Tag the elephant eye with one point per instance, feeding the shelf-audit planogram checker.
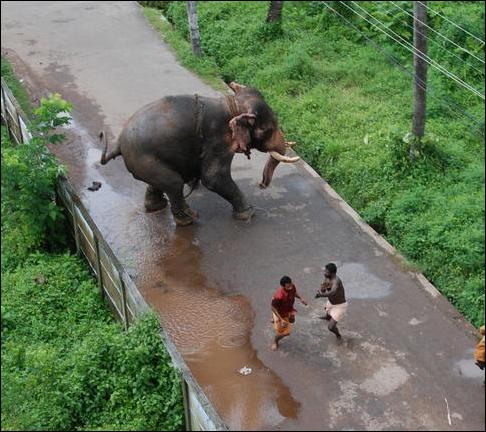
(263, 134)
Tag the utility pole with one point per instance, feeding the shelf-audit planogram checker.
(420, 67)
(194, 28)
(275, 11)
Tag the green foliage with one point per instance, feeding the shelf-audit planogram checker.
(299, 65)
(350, 111)
(30, 217)
(67, 366)
(51, 114)
(154, 4)
(270, 31)
(15, 86)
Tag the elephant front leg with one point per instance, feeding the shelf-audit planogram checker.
(245, 214)
(219, 180)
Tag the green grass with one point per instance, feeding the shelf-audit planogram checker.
(204, 67)
(15, 86)
(349, 109)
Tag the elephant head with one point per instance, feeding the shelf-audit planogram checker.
(257, 127)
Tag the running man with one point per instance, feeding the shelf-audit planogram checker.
(283, 309)
(336, 305)
(479, 351)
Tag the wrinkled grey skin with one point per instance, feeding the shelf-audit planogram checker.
(184, 139)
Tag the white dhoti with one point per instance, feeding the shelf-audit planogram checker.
(337, 311)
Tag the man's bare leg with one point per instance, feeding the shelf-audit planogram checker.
(332, 327)
(276, 341)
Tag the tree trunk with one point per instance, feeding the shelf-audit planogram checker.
(420, 67)
(275, 11)
(194, 28)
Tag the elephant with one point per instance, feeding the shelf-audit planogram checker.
(185, 139)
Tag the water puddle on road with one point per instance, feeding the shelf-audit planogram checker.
(212, 332)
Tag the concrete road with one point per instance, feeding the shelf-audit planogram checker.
(405, 349)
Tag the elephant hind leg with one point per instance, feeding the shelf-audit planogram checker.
(183, 214)
(163, 179)
(154, 200)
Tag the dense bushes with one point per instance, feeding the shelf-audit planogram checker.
(156, 4)
(66, 365)
(349, 110)
(30, 217)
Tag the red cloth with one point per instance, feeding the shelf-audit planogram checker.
(283, 301)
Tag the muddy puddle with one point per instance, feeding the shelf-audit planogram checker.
(212, 331)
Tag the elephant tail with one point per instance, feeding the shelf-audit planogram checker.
(112, 155)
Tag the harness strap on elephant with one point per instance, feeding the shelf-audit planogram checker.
(233, 108)
(198, 106)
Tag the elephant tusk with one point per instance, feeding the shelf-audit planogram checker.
(290, 143)
(282, 158)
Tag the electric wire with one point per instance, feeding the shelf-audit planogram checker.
(420, 54)
(430, 89)
(452, 22)
(449, 52)
(440, 34)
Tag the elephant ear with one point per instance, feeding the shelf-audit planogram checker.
(240, 132)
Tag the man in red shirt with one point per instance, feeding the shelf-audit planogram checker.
(283, 309)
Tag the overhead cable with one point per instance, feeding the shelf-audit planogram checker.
(440, 34)
(449, 52)
(407, 45)
(450, 102)
(453, 23)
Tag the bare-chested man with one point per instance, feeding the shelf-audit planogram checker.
(336, 305)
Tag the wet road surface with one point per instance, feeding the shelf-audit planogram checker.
(404, 351)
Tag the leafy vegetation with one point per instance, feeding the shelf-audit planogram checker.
(66, 365)
(30, 217)
(15, 86)
(350, 111)
(161, 5)
(204, 66)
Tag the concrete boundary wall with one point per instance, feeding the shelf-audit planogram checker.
(115, 284)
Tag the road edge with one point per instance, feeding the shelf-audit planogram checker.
(380, 241)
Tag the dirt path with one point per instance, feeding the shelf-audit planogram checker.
(404, 350)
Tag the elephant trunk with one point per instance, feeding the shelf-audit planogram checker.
(268, 171)
(274, 158)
